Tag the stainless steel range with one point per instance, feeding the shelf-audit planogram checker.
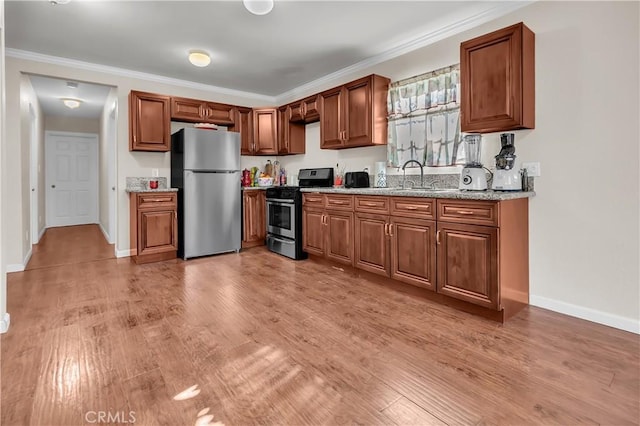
(284, 212)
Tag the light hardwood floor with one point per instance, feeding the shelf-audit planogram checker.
(271, 341)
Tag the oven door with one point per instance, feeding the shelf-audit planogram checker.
(281, 218)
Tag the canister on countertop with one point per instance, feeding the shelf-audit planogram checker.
(276, 173)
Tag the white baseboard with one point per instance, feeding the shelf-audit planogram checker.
(105, 233)
(19, 267)
(4, 323)
(616, 321)
(125, 253)
(41, 233)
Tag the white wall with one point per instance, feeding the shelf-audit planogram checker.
(4, 319)
(54, 123)
(104, 188)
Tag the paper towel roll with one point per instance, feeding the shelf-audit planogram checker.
(381, 174)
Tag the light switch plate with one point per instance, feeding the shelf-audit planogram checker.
(533, 169)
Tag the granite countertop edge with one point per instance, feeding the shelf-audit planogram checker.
(453, 194)
(251, 188)
(136, 190)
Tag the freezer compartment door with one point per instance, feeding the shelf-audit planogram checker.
(211, 150)
(212, 213)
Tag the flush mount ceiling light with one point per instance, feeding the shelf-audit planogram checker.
(56, 2)
(199, 58)
(258, 7)
(71, 103)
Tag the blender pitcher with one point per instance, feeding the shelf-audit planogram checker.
(472, 144)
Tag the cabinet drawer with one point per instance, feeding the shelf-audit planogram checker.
(421, 208)
(157, 200)
(339, 202)
(313, 199)
(472, 212)
(373, 204)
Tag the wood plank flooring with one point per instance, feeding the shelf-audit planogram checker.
(267, 340)
(70, 244)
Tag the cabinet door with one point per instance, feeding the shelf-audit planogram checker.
(331, 127)
(265, 131)
(254, 216)
(313, 231)
(339, 236)
(150, 122)
(357, 113)
(297, 112)
(413, 251)
(222, 114)
(468, 263)
(157, 231)
(244, 125)
(311, 108)
(371, 243)
(184, 109)
(283, 129)
(493, 80)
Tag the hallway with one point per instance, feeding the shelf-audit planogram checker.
(70, 245)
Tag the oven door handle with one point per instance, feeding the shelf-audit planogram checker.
(281, 240)
(279, 201)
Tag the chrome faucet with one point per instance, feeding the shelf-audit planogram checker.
(404, 172)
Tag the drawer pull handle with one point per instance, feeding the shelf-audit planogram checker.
(156, 200)
(411, 208)
(337, 202)
(467, 212)
(438, 237)
(386, 229)
(369, 204)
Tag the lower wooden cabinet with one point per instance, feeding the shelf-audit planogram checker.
(254, 219)
(154, 226)
(468, 263)
(470, 250)
(396, 247)
(328, 232)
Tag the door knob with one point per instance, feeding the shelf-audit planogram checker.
(33, 190)
(113, 188)
(53, 186)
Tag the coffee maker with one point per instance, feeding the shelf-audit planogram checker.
(473, 176)
(507, 177)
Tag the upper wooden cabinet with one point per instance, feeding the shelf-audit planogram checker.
(354, 114)
(291, 135)
(265, 131)
(306, 110)
(498, 81)
(194, 110)
(244, 125)
(149, 122)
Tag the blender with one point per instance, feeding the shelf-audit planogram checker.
(473, 176)
(506, 176)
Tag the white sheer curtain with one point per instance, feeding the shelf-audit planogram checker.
(424, 119)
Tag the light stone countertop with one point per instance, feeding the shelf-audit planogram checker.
(428, 193)
(135, 190)
(250, 188)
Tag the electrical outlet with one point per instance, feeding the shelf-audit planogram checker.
(26, 235)
(154, 172)
(533, 169)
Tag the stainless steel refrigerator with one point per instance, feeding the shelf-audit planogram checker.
(205, 167)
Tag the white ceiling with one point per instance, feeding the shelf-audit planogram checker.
(297, 43)
(50, 91)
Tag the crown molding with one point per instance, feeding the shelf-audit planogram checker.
(301, 91)
(122, 72)
(405, 47)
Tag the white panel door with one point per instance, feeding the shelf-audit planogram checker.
(71, 162)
